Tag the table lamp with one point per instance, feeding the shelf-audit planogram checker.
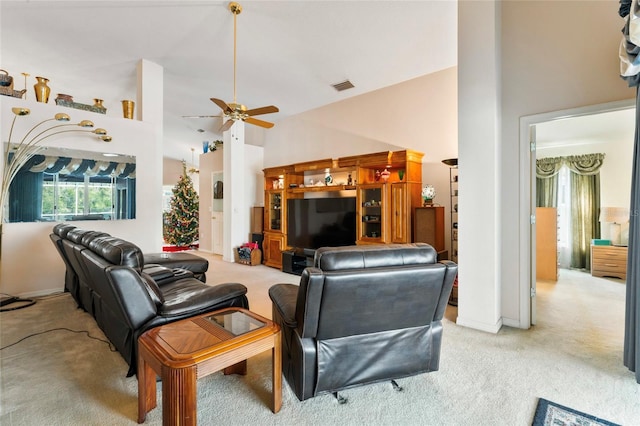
(615, 216)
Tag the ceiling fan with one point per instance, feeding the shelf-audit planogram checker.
(235, 111)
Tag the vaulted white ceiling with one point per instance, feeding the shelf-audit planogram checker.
(289, 53)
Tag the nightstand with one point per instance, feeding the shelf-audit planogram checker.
(609, 261)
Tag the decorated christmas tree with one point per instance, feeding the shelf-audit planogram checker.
(181, 222)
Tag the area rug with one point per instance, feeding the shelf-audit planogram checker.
(549, 413)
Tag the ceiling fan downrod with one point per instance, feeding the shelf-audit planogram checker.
(236, 9)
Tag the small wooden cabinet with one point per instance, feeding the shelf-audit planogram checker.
(428, 226)
(547, 243)
(272, 247)
(609, 261)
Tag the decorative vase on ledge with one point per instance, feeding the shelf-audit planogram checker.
(127, 109)
(98, 103)
(42, 90)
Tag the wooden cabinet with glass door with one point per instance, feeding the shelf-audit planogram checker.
(274, 213)
(372, 213)
(274, 216)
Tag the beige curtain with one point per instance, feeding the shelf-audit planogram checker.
(585, 199)
(588, 164)
(547, 181)
(585, 205)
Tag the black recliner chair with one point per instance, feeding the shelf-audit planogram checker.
(362, 314)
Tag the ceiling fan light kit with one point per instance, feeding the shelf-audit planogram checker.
(235, 111)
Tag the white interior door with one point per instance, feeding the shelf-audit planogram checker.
(217, 229)
(217, 217)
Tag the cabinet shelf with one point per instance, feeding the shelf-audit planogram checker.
(328, 188)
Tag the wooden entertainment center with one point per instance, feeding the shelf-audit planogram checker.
(387, 187)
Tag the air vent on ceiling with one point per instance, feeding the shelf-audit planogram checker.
(343, 86)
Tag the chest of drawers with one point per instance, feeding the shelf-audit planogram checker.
(609, 261)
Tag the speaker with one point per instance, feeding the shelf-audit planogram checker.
(257, 238)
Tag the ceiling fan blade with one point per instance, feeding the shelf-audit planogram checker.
(262, 110)
(222, 104)
(257, 122)
(227, 125)
(201, 116)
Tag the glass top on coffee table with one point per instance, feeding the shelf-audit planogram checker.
(235, 322)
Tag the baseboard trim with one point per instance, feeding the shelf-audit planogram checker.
(40, 293)
(489, 328)
(513, 323)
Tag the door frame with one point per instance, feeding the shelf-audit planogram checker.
(527, 141)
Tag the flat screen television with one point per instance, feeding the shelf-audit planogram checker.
(321, 222)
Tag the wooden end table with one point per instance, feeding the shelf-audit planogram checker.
(184, 351)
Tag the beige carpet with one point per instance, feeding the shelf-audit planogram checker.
(573, 357)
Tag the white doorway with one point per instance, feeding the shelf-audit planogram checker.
(579, 125)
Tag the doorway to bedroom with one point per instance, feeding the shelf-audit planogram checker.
(568, 217)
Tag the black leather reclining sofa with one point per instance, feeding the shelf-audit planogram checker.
(109, 279)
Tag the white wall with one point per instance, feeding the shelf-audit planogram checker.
(253, 186)
(171, 171)
(555, 55)
(30, 263)
(253, 163)
(419, 114)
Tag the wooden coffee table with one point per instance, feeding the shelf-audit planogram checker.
(184, 351)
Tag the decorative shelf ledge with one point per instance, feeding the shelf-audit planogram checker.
(84, 107)
(6, 91)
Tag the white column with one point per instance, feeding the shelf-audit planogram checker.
(149, 107)
(236, 213)
(479, 156)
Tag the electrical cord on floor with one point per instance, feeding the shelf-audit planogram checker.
(8, 299)
(113, 349)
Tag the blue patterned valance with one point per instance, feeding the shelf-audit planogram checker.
(79, 167)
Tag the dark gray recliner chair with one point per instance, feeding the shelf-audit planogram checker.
(362, 314)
